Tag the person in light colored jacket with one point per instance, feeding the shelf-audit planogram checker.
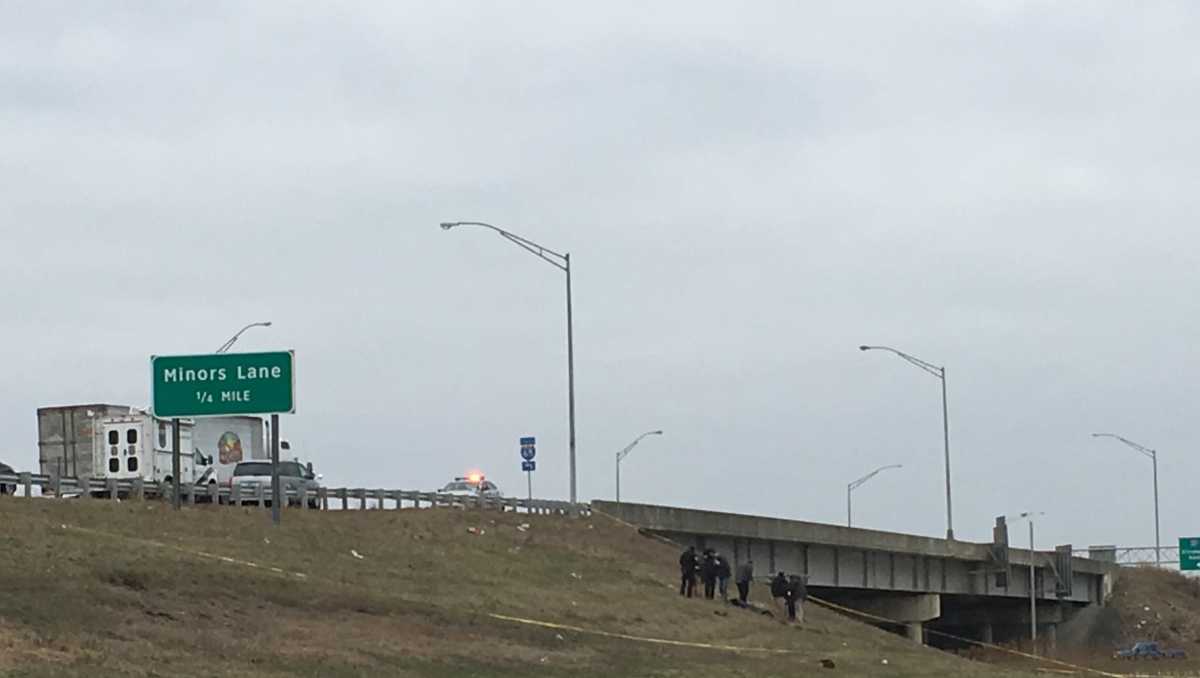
(745, 574)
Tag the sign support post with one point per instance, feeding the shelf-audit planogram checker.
(176, 500)
(276, 491)
(528, 465)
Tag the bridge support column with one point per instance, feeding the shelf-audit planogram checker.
(909, 609)
(915, 631)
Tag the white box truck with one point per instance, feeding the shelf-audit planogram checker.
(229, 440)
(141, 446)
(102, 441)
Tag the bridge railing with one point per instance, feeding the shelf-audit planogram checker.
(1132, 555)
(344, 498)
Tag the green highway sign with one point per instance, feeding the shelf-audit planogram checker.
(1189, 553)
(223, 384)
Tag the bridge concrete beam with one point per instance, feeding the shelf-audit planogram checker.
(907, 608)
(911, 610)
(1003, 613)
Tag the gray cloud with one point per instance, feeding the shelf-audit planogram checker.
(748, 192)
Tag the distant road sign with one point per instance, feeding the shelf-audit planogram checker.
(1189, 553)
(528, 448)
(223, 384)
(529, 466)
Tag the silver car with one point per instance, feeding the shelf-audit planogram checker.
(248, 476)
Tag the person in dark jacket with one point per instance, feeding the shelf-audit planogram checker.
(745, 575)
(687, 572)
(779, 587)
(723, 574)
(797, 593)
(708, 573)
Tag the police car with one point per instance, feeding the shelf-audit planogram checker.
(473, 485)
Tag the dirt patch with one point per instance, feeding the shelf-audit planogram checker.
(1157, 604)
(19, 646)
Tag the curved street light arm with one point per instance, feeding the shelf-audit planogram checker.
(939, 372)
(1140, 448)
(560, 261)
(629, 448)
(858, 483)
(233, 340)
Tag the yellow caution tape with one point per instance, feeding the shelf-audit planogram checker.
(180, 549)
(642, 639)
(980, 643)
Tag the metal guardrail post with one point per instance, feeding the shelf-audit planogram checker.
(112, 488)
(214, 494)
(139, 489)
(303, 491)
(380, 495)
(235, 494)
(27, 481)
(323, 498)
(361, 494)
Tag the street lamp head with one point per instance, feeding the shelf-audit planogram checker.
(266, 324)
(657, 433)
(447, 225)
(864, 348)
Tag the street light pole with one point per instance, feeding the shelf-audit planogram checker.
(1153, 454)
(858, 483)
(940, 373)
(625, 453)
(1028, 515)
(561, 261)
(232, 340)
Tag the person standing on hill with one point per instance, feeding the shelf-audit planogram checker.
(723, 575)
(745, 574)
(797, 593)
(687, 572)
(779, 587)
(708, 573)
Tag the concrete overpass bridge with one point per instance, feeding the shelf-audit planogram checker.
(969, 589)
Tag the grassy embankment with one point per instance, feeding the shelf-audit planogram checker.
(84, 592)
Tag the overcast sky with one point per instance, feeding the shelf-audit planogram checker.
(748, 190)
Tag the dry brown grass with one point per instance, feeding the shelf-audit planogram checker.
(123, 590)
